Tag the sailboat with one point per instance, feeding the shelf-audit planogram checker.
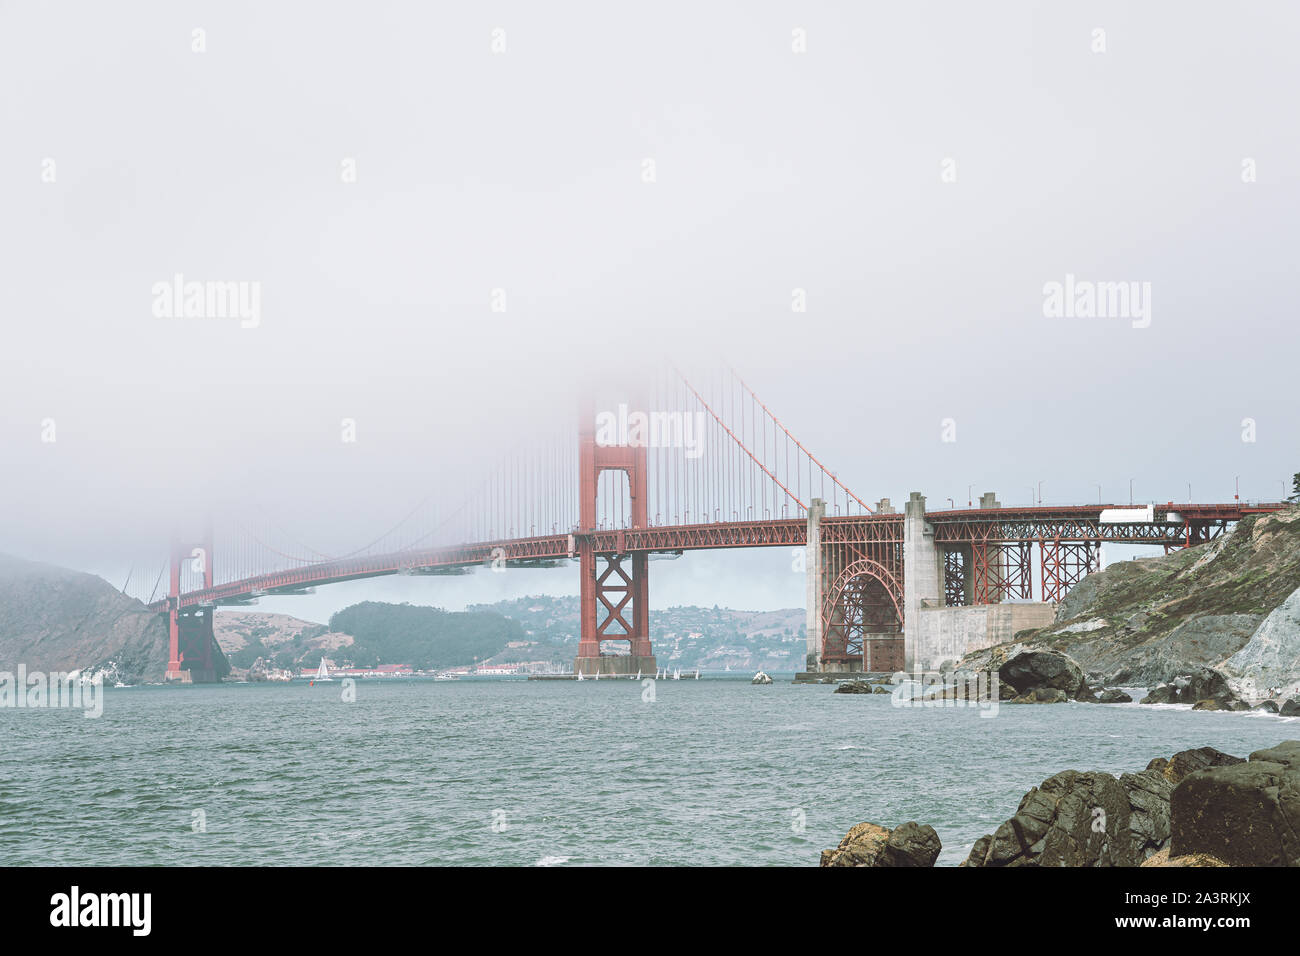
(677, 674)
(597, 673)
(579, 675)
(638, 675)
(322, 672)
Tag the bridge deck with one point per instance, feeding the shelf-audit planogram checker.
(1026, 524)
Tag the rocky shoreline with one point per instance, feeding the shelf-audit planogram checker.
(1036, 676)
(1198, 807)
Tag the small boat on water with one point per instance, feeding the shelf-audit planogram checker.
(322, 673)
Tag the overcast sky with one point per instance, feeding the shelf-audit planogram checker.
(921, 171)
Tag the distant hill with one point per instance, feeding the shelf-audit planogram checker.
(535, 628)
(277, 639)
(424, 637)
(709, 638)
(55, 619)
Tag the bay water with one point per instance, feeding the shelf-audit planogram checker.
(516, 772)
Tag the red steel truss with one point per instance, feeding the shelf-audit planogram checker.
(954, 577)
(1065, 564)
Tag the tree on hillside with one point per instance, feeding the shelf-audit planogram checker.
(1295, 487)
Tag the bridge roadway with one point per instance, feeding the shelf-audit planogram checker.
(1173, 525)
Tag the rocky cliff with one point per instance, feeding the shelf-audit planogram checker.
(54, 619)
(1233, 605)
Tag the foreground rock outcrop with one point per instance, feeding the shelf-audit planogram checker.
(1095, 819)
(1200, 807)
(868, 844)
(1246, 813)
(1082, 819)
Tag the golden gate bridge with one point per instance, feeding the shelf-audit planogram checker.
(684, 469)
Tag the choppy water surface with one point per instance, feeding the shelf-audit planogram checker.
(552, 773)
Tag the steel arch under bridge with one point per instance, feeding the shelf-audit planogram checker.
(862, 617)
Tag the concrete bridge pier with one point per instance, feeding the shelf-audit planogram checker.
(923, 577)
(200, 659)
(814, 582)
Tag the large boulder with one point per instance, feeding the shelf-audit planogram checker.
(1092, 819)
(1246, 813)
(1290, 708)
(868, 844)
(1031, 670)
(1081, 819)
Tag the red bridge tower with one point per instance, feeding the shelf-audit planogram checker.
(615, 588)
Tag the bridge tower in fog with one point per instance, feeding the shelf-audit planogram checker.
(190, 638)
(614, 588)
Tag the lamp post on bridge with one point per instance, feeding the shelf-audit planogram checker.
(1236, 494)
(1130, 491)
(1098, 494)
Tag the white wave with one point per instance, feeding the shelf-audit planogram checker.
(552, 860)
